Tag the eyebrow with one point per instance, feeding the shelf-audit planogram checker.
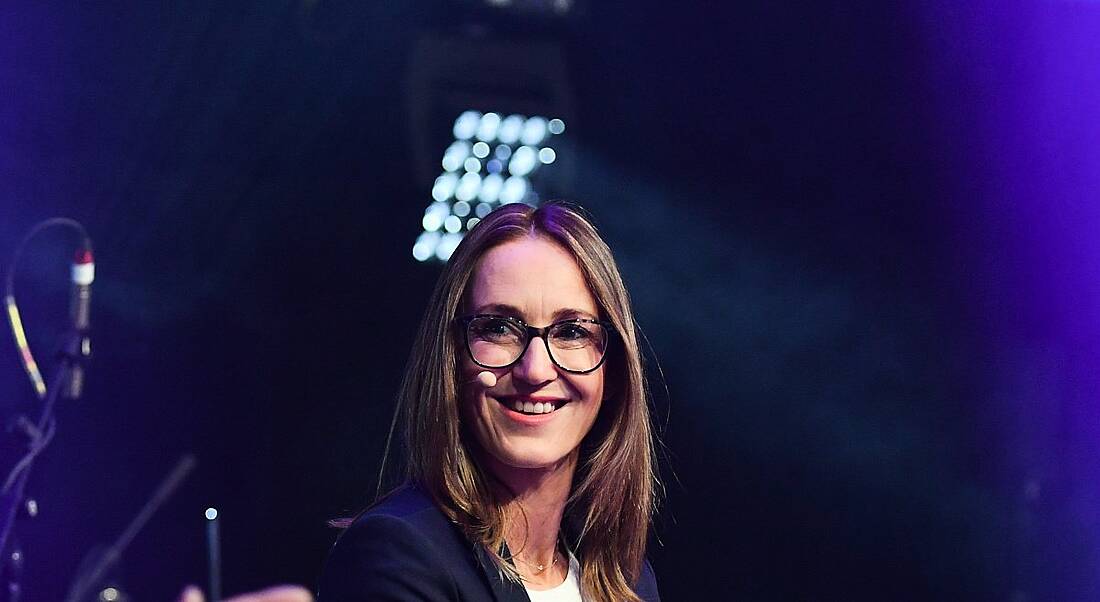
(565, 313)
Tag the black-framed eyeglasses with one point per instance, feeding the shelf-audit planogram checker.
(577, 345)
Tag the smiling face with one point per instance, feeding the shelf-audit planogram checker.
(537, 281)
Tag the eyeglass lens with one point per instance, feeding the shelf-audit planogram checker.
(498, 342)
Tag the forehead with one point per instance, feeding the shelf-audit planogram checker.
(534, 274)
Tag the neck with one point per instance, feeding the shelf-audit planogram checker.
(535, 502)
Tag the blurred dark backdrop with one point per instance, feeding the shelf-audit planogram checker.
(861, 240)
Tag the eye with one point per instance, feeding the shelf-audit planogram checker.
(493, 328)
(574, 333)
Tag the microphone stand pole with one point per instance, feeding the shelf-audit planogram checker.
(88, 580)
(13, 496)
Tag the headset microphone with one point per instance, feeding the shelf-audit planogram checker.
(487, 379)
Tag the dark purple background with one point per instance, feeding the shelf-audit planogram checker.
(862, 241)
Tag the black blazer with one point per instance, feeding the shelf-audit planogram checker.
(405, 549)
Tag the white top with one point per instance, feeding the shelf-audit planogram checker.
(568, 591)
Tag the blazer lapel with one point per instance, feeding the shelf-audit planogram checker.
(504, 589)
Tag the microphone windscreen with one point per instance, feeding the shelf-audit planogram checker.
(487, 379)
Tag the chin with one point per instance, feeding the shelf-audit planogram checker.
(532, 455)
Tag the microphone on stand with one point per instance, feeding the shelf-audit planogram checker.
(69, 379)
(79, 347)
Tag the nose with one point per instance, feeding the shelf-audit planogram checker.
(535, 366)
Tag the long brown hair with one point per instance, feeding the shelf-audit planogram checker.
(615, 488)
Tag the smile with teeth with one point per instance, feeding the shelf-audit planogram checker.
(537, 407)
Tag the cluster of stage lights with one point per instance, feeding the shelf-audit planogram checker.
(490, 163)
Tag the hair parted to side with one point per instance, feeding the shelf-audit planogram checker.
(615, 489)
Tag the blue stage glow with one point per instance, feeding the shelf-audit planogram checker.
(515, 189)
(444, 186)
(455, 155)
(534, 131)
(490, 190)
(523, 161)
(424, 249)
(447, 245)
(483, 169)
(487, 129)
(466, 125)
(468, 187)
(434, 216)
(511, 129)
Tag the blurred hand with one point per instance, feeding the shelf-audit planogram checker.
(279, 593)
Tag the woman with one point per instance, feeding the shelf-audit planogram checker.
(528, 449)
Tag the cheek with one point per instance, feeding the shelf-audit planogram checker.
(591, 390)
